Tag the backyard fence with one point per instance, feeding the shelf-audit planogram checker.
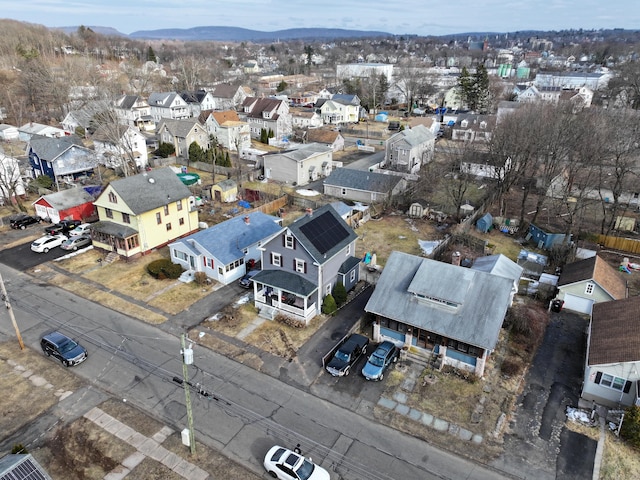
(630, 245)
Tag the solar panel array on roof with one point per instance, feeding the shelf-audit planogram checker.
(324, 232)
(25, 470)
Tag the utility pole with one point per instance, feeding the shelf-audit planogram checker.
(5, 297)
(187, 359)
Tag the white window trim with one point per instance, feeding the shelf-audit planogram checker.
(300, 265)
(589, 288)
(277, 259)
(289, 241)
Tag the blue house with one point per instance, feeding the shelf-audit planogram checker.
(485, 223)
(224, 250)
(543, 239)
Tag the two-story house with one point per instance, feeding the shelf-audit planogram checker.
(302, 265)
(182, 133)
(135, 111)
(120, 146)
(168, 105)
(473, 128)
(142, 212)
(267, 114)
(228, 97)
(408, 150)
(227, 129)
(198, 101)
(299, 166)
(63, 159)
(339, 109)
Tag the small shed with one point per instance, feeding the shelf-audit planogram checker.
(225, 191)
(73, 203)
(485, 223)
(466, 209)
(625, 224)
(8, 132)
(543, 239)
(418, 209)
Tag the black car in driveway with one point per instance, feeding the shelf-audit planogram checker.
(24, 221)
(65, 349)
(63, 227)
(347, 354)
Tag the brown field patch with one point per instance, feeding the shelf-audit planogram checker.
(619, 460)
(179, 297)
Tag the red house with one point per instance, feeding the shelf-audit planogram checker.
(74, 203)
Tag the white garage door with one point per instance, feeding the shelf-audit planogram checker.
(577, 304)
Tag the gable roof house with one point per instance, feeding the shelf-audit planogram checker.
(227, 128)
(441, 309)
(302, 264)
(339, 109)
(223, 250)
(120, 145)
(328, 138)
(8, 132)
(408, 150)
(64, 159)
(503, 266)
(612, 367)
(182, 133)
(532, 93)
(268, 114)
(135, 111)
(473, 128)
(198, 101)
(363, 186)
(168, 105)
(298, 166)
(228, 97)
(305, 117)
(28, 130)
(483, 165)
(590, 281)
(72, 203)
(82, 116)
(146, 211)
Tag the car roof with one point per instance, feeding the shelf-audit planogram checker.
(56, 337)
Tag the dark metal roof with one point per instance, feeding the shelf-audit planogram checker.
(287, 281)
(113, 229)
(348, 265)
(363, 181)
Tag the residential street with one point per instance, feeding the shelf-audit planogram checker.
(245, 411)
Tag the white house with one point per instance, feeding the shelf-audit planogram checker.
(168, 105)
(115, 143)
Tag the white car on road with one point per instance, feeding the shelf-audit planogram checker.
(46, 243)
(286, 464)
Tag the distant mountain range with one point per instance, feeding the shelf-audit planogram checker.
(235, 34)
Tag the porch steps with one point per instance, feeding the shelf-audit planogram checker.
(187, 276)
(110, 258)
(268, 312)
(424, 359)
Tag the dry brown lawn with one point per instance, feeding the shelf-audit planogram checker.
(619, 460)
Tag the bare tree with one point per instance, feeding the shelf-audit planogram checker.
(11, 184)
(118, 141)
(190, 70)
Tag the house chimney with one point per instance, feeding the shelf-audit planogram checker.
(246, 219)
(455, 259)
(309, 211)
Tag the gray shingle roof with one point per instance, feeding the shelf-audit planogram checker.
(498, 265)
(287, 281)
(150, 190)
(483, 298)
(364, 181)
(48, 148)
(69, 198)
(226, 240)
(180, 128)
(615, 332)
(303, 153)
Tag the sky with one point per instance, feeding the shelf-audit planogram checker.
(419, 17)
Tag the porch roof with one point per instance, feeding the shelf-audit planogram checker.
(113, 229)
(287, 281)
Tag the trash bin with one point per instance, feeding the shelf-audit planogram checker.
(556, 305)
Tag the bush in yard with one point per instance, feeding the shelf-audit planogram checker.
(164, 268)
(339, 294)
(510, 367)
(630, 430)
(329, 306)
(201, 278)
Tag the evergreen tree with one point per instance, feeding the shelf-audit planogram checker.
(270, 135)
(630, 429)
(339, 294)
(329, 306)
(465, 86)
(227, 160)
(282, 86)
(151, 56)
(263, 136)
(481, 90)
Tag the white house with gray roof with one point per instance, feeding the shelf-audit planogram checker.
(363, 186)
(299, 166)
(503, 266)
(168, 105)
(440, 309)
(223, 250)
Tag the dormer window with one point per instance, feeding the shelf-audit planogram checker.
(464, 123)
(266, 114)
(483, 124)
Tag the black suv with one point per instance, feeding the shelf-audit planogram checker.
(64, 227)
(347, 355)
(68, 351)
(24, 221)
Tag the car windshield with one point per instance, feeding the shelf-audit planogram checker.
(340, 355)
(67, 346)
(376, 360)
(305, 470)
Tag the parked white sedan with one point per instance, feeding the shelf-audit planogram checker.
(82, 229)
(286, 464)
(46, 243)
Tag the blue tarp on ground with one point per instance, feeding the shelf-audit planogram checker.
(244, 204)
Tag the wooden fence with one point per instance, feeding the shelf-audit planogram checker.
(630, 245)
(272, 207)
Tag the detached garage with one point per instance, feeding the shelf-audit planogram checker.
(590, 281)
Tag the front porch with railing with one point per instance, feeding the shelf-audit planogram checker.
(278, 301)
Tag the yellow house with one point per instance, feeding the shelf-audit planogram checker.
(140, 213)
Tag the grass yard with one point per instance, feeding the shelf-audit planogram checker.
(619, 460)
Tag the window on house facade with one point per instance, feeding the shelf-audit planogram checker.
(179, 205)
(181, 221)
(344, 191)
(108, 212)
(132, 242)
(589, 289)
(613, 382)
(290, 241)
(352, 277)
(300, 265)
(327, 289)
(348, 250)
(158, 218)
(276, 259)
(113, 198)
(166, 209)
(180, 255)
(168, 226)
(126, 218)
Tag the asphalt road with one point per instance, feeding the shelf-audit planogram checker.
(244, 412)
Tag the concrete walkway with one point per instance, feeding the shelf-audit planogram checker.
(145, 447)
